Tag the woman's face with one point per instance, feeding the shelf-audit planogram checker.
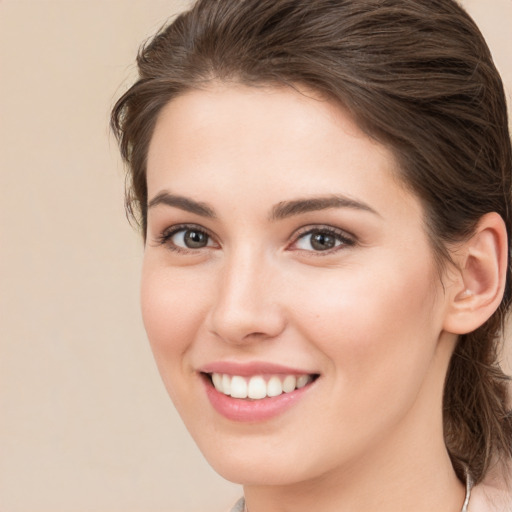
(285, 260)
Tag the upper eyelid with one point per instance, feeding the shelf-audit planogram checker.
(184, 227)
(305, 230)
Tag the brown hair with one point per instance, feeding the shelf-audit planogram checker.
(417, 76)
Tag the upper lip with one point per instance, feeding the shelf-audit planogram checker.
(251, 368)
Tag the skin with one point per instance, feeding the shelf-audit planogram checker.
(368, 316)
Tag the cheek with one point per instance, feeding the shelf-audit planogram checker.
(172, 304)
(376, 325)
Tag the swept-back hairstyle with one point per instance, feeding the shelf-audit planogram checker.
(418, 77)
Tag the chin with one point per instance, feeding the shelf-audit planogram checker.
(257, 460)
(256, 473)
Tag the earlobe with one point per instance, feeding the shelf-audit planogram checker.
(482, 262)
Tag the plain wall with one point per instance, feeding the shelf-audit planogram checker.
(85, 423)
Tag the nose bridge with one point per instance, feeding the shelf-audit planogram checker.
(246, 305)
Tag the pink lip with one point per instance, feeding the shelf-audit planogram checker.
(247, 410)
(243, 410)
(249, 369)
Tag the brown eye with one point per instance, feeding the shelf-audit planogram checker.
(195, 239)
(324, 239)
(189, 238)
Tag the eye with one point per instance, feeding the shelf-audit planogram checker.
(186, 238)
(322, 240)
(190, 239)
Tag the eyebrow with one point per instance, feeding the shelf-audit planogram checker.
(280, 211)
(286, 209)
(183, 203)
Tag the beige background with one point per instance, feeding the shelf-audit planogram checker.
(85, 424)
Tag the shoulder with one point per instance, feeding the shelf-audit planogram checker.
(494, 494)
(485, 498)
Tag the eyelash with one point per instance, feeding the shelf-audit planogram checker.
(166, 235)
(345, 239)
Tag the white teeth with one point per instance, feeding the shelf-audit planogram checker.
(274, 386)
(238, 387)
(289, 383)
(226, 384)
(217, 380)
(302, 381)
(257, 387)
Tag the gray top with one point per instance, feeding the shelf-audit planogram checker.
(239, 506)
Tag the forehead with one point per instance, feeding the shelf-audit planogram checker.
(272, 143)
(268, 116)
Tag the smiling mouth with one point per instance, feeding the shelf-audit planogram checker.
(258, 387)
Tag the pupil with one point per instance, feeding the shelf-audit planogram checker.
(195, 239)
(322, 241)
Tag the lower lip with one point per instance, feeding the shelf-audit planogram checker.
(246, 410)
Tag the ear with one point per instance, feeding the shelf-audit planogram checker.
(476, 291)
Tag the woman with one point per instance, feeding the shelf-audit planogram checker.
(324, 191)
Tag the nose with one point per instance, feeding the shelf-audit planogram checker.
(247, 306)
